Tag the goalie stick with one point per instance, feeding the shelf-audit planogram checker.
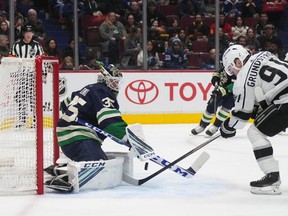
(187, 173)
(138, 182)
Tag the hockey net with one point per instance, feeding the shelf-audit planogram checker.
(29, 101)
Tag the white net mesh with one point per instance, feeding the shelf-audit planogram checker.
(18, 134)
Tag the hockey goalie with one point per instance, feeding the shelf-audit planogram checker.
(86, 163)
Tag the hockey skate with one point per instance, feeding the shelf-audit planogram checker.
(197, 130)
(211, 131)
(60, 183)
(268, 184)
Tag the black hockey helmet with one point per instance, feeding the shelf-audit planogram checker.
(28, 28)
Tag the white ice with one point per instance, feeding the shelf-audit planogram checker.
(220, 188)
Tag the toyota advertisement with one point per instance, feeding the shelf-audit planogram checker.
(154, 92)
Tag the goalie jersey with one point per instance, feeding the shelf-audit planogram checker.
(96, 104)
(269, 73)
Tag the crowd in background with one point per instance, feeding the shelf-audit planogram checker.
(174, 35)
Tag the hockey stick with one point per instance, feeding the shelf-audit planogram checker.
(138, 182)
(187, 173)
(215, 99)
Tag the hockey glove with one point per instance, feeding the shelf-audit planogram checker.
(219, 92)
(226, 131)
(215, 78)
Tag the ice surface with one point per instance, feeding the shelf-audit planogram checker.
(220, 188)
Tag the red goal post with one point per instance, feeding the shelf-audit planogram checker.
(29, 110)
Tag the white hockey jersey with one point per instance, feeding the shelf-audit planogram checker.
(265, 70)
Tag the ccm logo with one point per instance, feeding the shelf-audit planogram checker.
(94, 164)
(148, 155)
(141, 92)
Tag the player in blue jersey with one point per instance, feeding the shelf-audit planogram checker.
(96, 104)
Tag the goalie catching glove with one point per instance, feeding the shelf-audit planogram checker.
(226, 131)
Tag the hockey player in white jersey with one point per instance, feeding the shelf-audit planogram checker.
(266, 74)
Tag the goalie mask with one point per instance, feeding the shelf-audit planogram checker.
(230, 56)
(111, 76)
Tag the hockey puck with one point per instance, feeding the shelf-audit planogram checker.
(146, 166)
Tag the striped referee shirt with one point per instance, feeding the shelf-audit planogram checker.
(20, 49)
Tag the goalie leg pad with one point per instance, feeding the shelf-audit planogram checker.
(93, 175)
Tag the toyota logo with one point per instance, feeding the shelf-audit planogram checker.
(141, 92)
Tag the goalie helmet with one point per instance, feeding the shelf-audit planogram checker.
(234, 52)
(111, 76)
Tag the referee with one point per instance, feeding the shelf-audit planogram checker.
(26, 47)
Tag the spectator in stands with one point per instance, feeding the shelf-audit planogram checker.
(18, 25)
(224, 42)
(188, 8)
(91, 64)
(93, 8)
(173, 28)
(58, 5)
(4, 17)
(175, 58)
(32, 19)
(157, 27)
(130, 23)
(209, 8)
(153, 14)
(196, 27)
(225, 26)
(52, 50)
(250, 9)
(4, 46)
(69, 49)
(209, 64)
(241, 40)
(186, 43)
(112, 31)
(4, 29)
(273, 47)
(132, 47)
(268, 36)
(155, 33)
(263, 21)
(134, 10)
(251, 41)
(67, 63)
(239, 28)
(232, 8)
(152, 57)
